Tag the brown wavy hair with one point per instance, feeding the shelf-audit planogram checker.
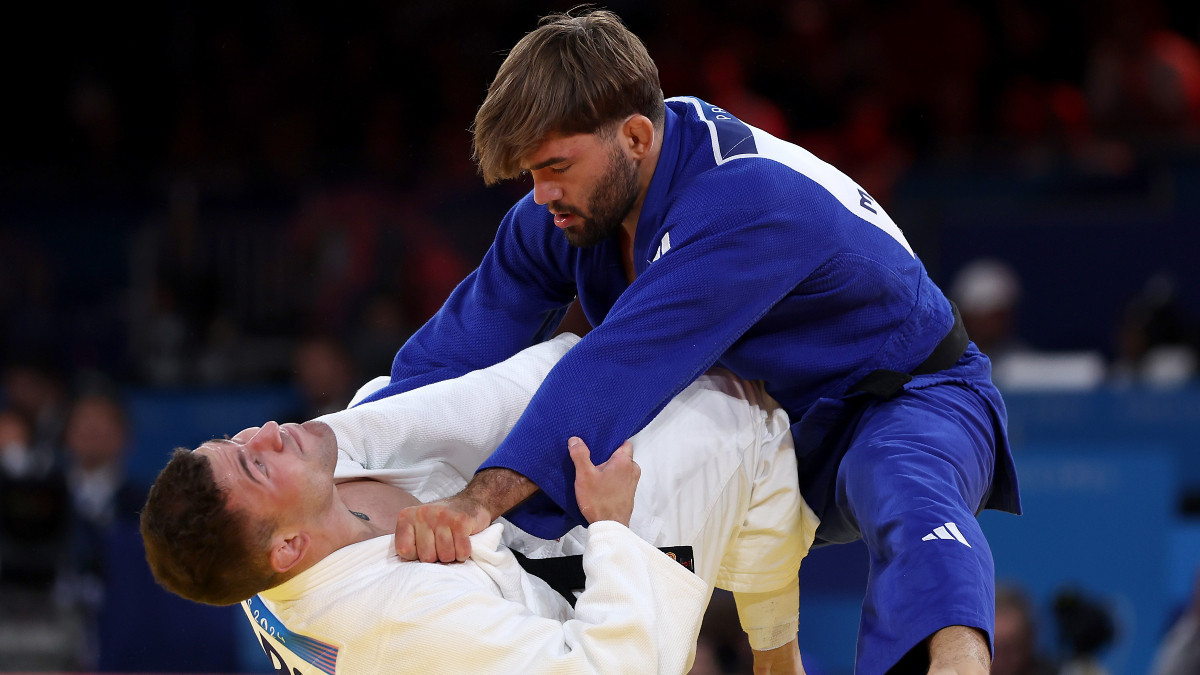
(196, 546)
(574, 74)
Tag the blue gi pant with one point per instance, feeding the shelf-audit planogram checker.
(914, 472)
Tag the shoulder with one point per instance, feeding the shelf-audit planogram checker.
(747, 195)
(729, 165)
(723, 150)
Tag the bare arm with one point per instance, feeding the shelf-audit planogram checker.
(440, 530)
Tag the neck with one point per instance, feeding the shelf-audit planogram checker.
(645, 175)
(338, 526)
(628, 233)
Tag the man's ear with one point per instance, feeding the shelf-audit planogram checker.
(287, 550)
(637, 136)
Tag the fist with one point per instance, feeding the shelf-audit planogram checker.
(439, 531)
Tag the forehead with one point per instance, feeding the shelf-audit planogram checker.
(222, 455)
(559, 146)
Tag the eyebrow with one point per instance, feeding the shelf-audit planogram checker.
(246, 467)
(548, 162)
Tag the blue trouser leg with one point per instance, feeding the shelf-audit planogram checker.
(916, 472)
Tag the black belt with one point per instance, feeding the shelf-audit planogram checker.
(884, 383)
(565, 573)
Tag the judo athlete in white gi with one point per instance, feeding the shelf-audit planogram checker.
(717, 474)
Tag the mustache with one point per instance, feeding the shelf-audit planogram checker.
(557, 207)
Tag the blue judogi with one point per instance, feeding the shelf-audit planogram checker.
(753, 254)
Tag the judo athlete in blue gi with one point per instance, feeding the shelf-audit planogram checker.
(691, 240)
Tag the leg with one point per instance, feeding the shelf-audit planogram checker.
(917, 470)
(783, 660)
(953, 650)
(958, 650)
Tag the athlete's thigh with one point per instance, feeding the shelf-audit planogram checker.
(924, 453)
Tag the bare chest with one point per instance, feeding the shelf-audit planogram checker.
(379, 502)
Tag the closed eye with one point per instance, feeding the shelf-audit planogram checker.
(560, 169)
(261, 467)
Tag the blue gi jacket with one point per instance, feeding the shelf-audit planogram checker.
(750, 253)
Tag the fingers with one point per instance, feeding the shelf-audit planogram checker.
(622, 460)
(606, 491)
(434, 532)
(426, 544)
(624, 455)
(406, 539)
(444, 542)
(462, 545)
(626, 450)
(580, 454)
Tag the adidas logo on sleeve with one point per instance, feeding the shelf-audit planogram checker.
(947, 531)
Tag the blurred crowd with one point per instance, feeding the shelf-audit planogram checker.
(223, 194)
(191, 193)
(62, 492)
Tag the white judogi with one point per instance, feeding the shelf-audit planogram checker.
(718, 474)
(376, 614)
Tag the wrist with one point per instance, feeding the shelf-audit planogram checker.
(497, 490)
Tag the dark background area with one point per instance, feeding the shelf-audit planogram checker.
(264, 171)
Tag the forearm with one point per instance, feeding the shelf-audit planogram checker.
(498, 490)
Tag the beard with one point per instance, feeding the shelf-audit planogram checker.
(611, 200)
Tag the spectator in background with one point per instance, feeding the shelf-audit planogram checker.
(324, 377)
(96, 442)
(1143, 78)
(986, 292)
(1016, 639)
(33, 514)
(1156, 343)
(379, 329)
(34, 389)
(1085, 628)
(40, 634)
(17, 457)
(724, 70)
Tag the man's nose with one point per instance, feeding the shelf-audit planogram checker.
(545, 192)
(267, 439)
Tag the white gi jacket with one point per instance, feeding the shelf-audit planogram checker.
(718, 474)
